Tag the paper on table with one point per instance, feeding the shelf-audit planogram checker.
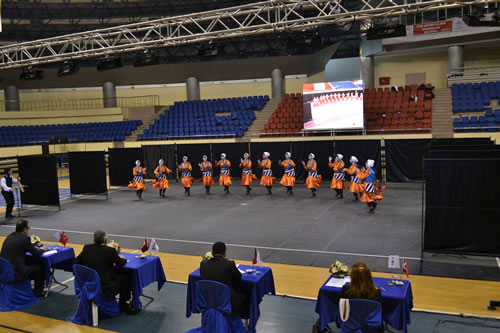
(241, 271)
(338, 283)
(48, 253)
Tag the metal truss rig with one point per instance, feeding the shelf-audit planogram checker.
(265, 17)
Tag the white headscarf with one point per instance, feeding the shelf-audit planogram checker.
(204, 157)
(340, 156)
(137, 162)
(266, 154)
(354, 159)
(161, 161)
(223, 155)
(246, 155)
(370, 163)
(312, 156)
(288, 155)
(184, 158)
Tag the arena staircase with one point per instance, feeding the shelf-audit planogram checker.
(442, 114)
(261, 118)
(147, 119)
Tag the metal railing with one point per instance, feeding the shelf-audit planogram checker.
(474, 74)
(84, 104)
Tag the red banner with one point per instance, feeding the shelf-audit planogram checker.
(430, 28)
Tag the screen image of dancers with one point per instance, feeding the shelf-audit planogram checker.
(336, 110)
(225, 174)
(267, 179)
(206, 174)
(138, 181)
(246, 172)
(161, 181)
(185, 169)
(288, 179)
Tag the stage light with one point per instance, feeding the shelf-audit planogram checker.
(486, 20)
(210, 51)
(69, 67)
(386, 31)
(108, 63)
(29, 73)
(146, 58)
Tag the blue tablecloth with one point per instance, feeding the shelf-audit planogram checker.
(397, 302)
(259, 285)
(143, 272)
(63, 259)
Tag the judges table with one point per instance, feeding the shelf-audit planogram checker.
(142, 272)
(397, 302)
(258, 285)
(57, 257)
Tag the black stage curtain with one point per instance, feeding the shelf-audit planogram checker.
(234, 152)
(363, 150)
(153, 153)
(39, 175)
(121, 164)
(493, 152)
(321, 149)
(194, 152)
(277, 151)
(87, 172)
(404, 159)
(461, 205)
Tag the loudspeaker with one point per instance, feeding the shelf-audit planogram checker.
(53, 140)
(45, 149)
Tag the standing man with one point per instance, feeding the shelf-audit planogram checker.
(14, 250)
(8, 192)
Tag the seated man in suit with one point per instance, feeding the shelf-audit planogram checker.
(104, 260)
(222, 270)
(14, 250)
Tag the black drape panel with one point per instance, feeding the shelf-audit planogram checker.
(87, 172)
(39, 175)
(321, 149)
(277, 151)
(121, 164)
(363, 150)
(461, 205)
(153, 153)
(194, 152)
(234, 152)
(493, 152)
(404, 159)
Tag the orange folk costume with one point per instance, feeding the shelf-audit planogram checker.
(355, 186)
(288, 178)
(267, 179)
(162, 182)
(313, 180)
(138, 182)
(338, 180)
(373, 190)
(186, 180)
(246, 173)
(225, 175)
(206, 175)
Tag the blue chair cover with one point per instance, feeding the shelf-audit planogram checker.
(365, 317)
(14, 295)
(87, 290)
(213, 300)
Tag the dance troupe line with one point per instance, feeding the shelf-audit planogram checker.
(363, 183)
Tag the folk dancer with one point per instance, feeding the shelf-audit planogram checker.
(355, 186)
(206, 174)
(288, 179)
(373, 189)
(186, 180)
(338, 180)
(246, 175)
(161, 181)
(225, 175)
(138, 181)
(313, 180)
(267, 179)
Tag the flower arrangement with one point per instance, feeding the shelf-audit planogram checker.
(339, 269)
(206, 256)
(115, 246)
(35, 239)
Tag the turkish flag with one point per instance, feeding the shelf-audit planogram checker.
(145, 245)
(63, 238)
(405, 268)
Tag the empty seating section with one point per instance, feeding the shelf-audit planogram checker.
(407, 110)
(477, 98)
(287, 119)
(82, 132)
(211, 118)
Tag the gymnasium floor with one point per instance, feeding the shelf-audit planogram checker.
(306, 234)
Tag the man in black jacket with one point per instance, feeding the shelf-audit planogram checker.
(222, 270)
(104, 260)
(14, 250)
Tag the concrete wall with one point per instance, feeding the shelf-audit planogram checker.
(347, 69)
